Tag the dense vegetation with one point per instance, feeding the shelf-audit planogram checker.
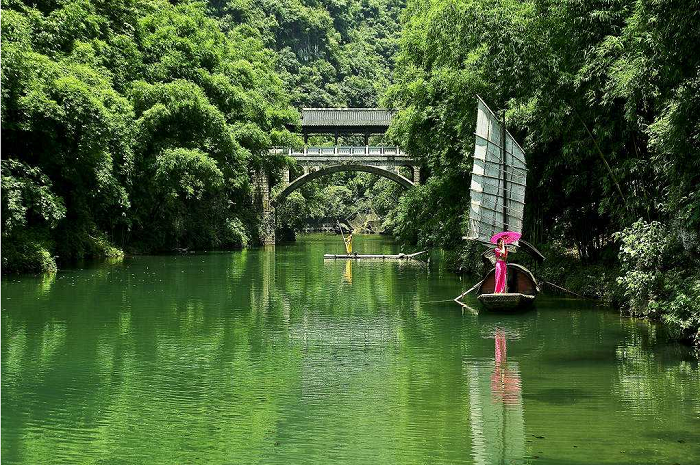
(138, 126)
(604, 96)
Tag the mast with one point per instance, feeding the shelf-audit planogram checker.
(505, 167)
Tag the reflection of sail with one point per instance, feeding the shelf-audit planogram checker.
(498, 179)
(496, 408)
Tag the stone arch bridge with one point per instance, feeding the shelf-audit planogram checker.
(321, 161)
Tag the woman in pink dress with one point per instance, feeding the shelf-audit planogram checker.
(501, 255)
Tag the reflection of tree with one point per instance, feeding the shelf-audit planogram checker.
(644, 382)
(187, 358)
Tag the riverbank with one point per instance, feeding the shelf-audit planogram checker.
(36, 256)
(652, 277)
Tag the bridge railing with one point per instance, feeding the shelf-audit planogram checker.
(342, 150)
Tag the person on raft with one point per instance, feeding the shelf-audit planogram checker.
(348, 244)
(501, 269)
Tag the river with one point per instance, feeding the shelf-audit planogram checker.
(272, 355)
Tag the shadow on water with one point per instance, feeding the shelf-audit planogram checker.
(582, 357)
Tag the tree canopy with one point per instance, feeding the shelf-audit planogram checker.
(136, 124)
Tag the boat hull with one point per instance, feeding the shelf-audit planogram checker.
(506, 301)
(520, 283)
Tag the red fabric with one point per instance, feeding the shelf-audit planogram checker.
(501, 271)
(505, 383)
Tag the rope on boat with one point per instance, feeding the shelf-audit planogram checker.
(563, 289)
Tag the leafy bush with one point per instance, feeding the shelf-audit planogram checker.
(646, 254)
(236, 234)
(28, 198)
(27, 253)
(430, 214)
(659, 278)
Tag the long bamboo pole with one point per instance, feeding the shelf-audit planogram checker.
(600, 153)
(456, 299)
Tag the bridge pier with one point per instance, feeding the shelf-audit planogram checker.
(416, 175)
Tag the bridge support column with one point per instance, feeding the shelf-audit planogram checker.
(416, 175)
(285, 175)
(261, 182)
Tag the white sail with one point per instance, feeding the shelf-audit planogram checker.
(498, 180)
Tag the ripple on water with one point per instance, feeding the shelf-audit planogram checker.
(275, 356)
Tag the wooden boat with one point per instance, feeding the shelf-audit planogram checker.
(355, 256)
(498, 181)
(521, 286)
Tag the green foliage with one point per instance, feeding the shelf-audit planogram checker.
(30, 211)
(660, 278)
(236, 234)
(133, 123)
(27, 253)
(331, 54)
(585, 86)
(430, 214)
(27, 198)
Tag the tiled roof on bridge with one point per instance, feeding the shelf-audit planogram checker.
(345, 117)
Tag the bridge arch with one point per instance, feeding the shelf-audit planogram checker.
(300, 181)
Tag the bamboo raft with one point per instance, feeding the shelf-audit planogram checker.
(354, 256)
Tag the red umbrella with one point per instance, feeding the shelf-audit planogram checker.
(508, 236)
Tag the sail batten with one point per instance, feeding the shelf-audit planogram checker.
(499, 178)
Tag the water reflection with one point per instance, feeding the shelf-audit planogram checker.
(496, 407)
(505, 380)
(277, 356)
(347, 274)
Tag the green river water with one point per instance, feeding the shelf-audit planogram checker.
(275, 356)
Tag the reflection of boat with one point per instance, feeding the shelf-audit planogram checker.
(496, 408)
(499, 176)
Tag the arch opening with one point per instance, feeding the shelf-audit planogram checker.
(300, 181)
